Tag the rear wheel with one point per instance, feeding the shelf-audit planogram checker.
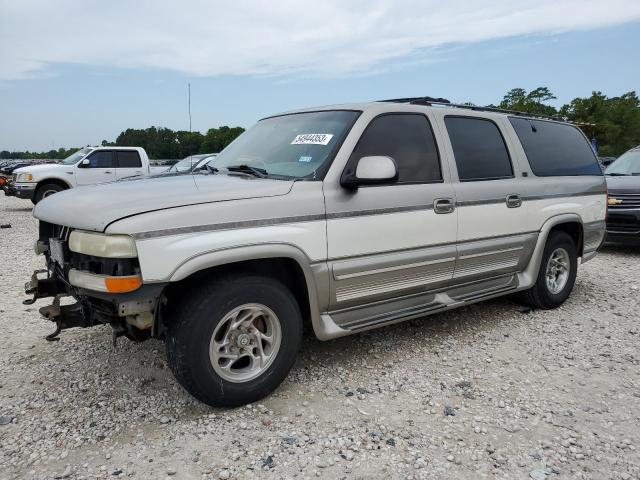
(234, 340)
(557, 273)
(46, 190)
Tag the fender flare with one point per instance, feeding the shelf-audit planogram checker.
(529, 275)
(315, 274)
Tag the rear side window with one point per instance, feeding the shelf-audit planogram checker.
(129, 159)
(555, 149)
(478, 148)
(101, 159)
(409, 140)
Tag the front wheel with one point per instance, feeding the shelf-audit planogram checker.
(46, 190)
(557, 273)
(235, 339)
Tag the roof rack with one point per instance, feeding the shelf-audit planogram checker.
(430, 101)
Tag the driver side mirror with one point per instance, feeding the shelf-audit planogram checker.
(85, 162)
(372, 170)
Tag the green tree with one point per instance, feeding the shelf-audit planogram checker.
(615, 120)
(217, 139)
(531, 102)
(189, 143)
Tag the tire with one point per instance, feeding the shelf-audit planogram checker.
(45, 190)
(202, 322)
(542, 295)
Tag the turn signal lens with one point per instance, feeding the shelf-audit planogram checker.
(122, 284)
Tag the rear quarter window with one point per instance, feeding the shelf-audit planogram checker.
(479, 149)
(555, 149)
(129, 159)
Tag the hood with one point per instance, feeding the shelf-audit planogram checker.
(623, 184)
(93, 207)
(41, 167)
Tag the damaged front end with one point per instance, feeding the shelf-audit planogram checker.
(105, 283)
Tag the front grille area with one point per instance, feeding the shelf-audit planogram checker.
(628, 200)
(86, 263)
(49, 230)
(104, 266)
(623, 223)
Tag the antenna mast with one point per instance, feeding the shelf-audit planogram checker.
(190, 142)
(189, 87)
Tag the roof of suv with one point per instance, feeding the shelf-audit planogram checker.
(419, 104)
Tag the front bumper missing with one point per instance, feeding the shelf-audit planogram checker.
(64, 316)
(131, 314)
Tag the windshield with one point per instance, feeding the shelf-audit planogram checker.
(205, 161)
(75, 157)
(292, 146)
(627, 164)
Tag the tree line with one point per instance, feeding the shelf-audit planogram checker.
(613, 121)
(159, 143)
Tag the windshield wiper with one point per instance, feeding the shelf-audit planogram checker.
(255, 171)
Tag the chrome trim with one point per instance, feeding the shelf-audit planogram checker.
(265, 222)
(378, 211)
(524, 198)
(493, 252)
(435, 245)
(391, 269)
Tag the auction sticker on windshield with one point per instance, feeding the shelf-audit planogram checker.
(312, 139)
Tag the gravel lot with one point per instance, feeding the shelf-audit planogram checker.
(485, 391)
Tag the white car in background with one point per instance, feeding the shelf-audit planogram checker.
(87, 166)
(191, 163)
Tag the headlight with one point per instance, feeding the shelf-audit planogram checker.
(24, 177)
(99, 245)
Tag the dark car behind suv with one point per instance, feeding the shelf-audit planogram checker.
(623, 183)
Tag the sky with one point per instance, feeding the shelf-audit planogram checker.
(76, 72)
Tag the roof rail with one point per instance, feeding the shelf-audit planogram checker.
(430, 101)
(418, 100)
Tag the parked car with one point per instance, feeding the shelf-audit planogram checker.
(606, 161)
(349, 217)
(190, 163)
(7, 168)
(623, 181)
(88, 166)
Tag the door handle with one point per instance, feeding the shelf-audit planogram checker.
(444, 205)
(107, 172)
(514, 200)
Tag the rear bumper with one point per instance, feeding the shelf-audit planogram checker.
(623, 226)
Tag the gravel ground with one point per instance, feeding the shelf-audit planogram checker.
(484, 391)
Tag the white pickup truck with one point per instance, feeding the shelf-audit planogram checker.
(88, 166)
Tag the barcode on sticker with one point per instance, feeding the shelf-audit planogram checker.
(312, 139)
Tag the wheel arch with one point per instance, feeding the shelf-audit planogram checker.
(570, 223)
(307, 281)
(57, 181)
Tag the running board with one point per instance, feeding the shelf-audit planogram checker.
(407, 308)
